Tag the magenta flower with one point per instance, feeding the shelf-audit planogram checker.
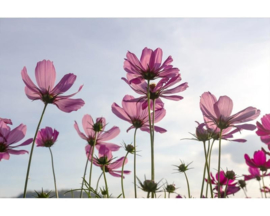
(46, 137)
(90, 129)
(265, 189)
(254, 174)
(9, 137)
(223, 180)
(218, 113)
(157, 91)
(230, 190)
(133, 113)
(47, 92)
(105, 159)
(7, 121)
(179, 196)
(149, 67)
(259, 161)
(264, 129)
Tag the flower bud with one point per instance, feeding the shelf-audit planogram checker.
(170, 188)
(129, 148)
(43, 194)
(242, 183)
(230, 175)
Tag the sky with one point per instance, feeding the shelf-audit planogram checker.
(225, 56)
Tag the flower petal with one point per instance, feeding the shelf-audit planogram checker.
(120, 112)
(118, 163)
(69, 105)
(259, 158)
(110, 134)
(16, 134)
(245, 115)
(4, 155)
(32, 95)
(17, 152)
(88, 124)
(223, 107)
(64, 84)
(79, 132)
(28, 82)
(145, 58)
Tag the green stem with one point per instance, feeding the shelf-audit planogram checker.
(98, 181)
(207, 167)
(263, 186)
(169, 195)
(148, 193)
(87, 159)
(203, 179)
(31, 153)
(151, 135)
(122, 176)
(260, 188)
(244, 192)
(219, 157)
(187, 185)
(225, 192)
(56, 191)
(91, 165)
(135, 188)
(208, 180)
(105, 180)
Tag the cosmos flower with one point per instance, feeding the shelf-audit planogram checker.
(7, 121)
(46, 137)
(218, 113)
(258, 161)
(8, 137)
(254, 174)
(47, 91)
(149, 67)
(133, 113)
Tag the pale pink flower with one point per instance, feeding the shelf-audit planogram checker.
(150, 65)
(7, 121)
(8, 137)
(46, 137)
(133, 113)
(47, 91)
(264, 129)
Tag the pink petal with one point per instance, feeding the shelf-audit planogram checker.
(266, 121)
(173, 97)
(110, 146)
(110, 134)
(261, 130)
(145, 57)
(130, 108)
(159, 115)
(171, 72)
(115, 174)
(120, 113)
(4, 129)
(45, 75)
(69, 105)
(79, 132)
(104, 151)
(88, 124)
(118, 163)
(64, 84)
(131, 127)
(167, 62)
(177, 89)
(254, 171)
(32, 95)
(259, 158)
(223, 107)
(16, 134)
(156, 59)
(207, 104)
(249, 162)
(245, 115)
(17, 152)
(6, 121)
(27, 142)
(28, 82)
(265, 139)
(4, 155)
(172, 81)
(250, 127)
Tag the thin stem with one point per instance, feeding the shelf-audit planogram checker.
(263, 186)
(169, 195)
(148, 193)
(244, 192)
(219, 157)
(151, 135)
(105, 180)
(56, 191)
(225, 192)
(152, 145)
(203, 179)
(98, 181)
(135, 188)
(31, 153)
(208, 180)
(122, 176)
(207, 167)
(260, 188)
(187, 185)
(91, 165)
(87, 159)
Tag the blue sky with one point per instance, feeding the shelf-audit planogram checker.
(224, 56)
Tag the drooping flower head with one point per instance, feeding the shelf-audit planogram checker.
(97, 129)
(254, 174)
(9, 137)
(47, 91)
(157, 91)
(263, 129)
(133, 113)
(7, 121)
(150, 66)
(105, 158)
(217, 114)
(46, 137)
(258, 161)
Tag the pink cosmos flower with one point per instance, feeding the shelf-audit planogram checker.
(9, 137)
(157, 91)
(47, 91)
(105, 158)
(7, 121)
(149, 67)
(179, 196)
(133, 113)
(254, 174)
(218, 113)
(223, 180)
(226, 135)
(90, 128)
(259, 161)
(264, 129)
(265, 189)
(230, 190)
(46, 137)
